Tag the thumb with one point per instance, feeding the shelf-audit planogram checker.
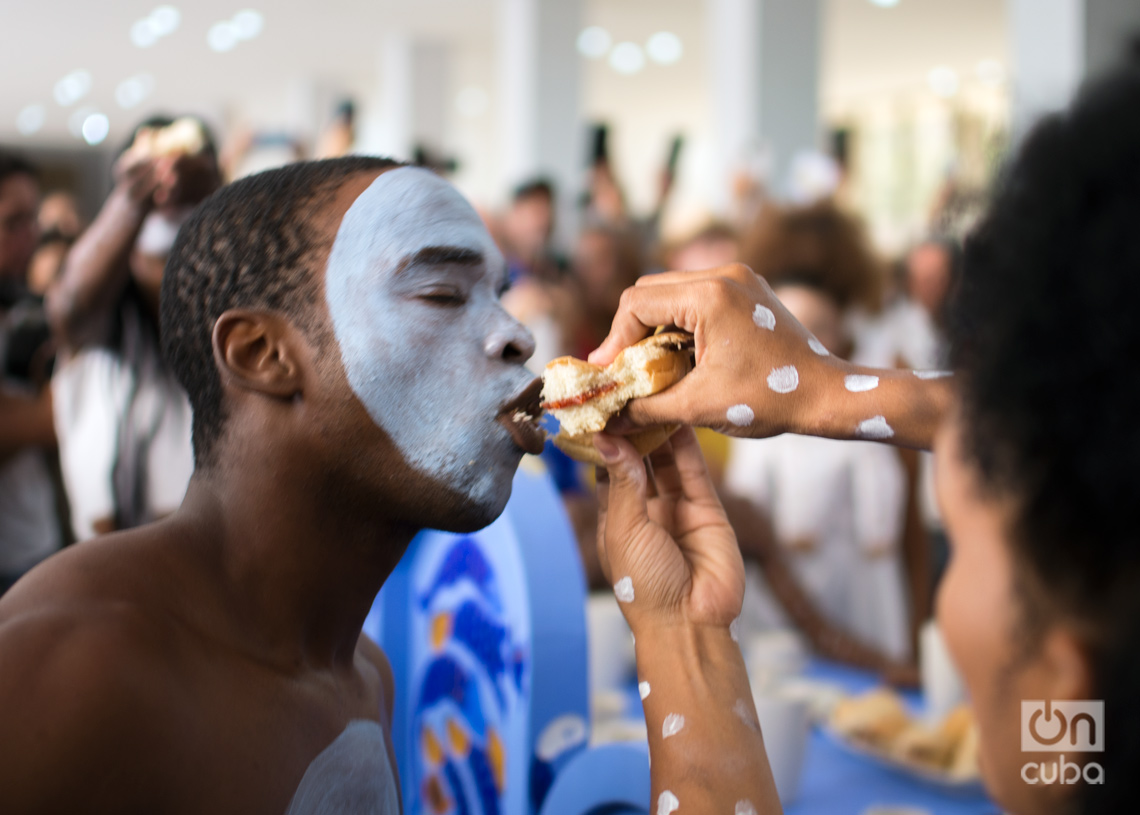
(675, 405)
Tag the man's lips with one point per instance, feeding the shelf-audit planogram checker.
(521, 415)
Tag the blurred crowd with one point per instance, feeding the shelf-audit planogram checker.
(843, 541)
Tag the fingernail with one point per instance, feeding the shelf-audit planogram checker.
(610, 451)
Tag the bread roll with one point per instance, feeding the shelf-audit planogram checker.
(583, 397)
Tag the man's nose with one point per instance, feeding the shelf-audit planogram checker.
(510, 341)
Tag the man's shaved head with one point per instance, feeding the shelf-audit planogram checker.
(252, 244)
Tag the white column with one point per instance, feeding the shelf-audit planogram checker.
(539, 93)
(431, 92)
(764, 84)
(1047, 51)
(1055, 44)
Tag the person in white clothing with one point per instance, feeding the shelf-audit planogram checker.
(835, 509)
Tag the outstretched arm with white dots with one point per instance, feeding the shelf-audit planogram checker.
(760, 373)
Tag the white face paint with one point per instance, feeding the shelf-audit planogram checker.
(643, 689)
(784, 380)
(818, 347)
(933, 374)
(623, 590)
(667, 803)
(858, 383)
(741, 415)
(674, 723)
(412, 285)
(764, 317)
(874, 428)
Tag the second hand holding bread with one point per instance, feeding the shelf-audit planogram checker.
(583, 397)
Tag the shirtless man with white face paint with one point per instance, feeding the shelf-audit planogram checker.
(213, 662)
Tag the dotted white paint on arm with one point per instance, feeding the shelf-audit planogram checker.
(858, 383)
(744, 807)
(933, 374)
(623, 590)
(764, 318)
(667, 803)
(874, 428)
(643, 689)
(784, 380)
(734, 630)
(818, 347)
(740, 708)
(674, 723)
(741, 415)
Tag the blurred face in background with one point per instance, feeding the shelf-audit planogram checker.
(529, 224)
(928, 276)
(819, 314)
(19, 206)
(605, 264)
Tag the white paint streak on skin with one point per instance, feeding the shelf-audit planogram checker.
(764, 318)
(734, 630)
(933, 374)
(784, 380)
(672, 725)
(858, 383)
(745, 807)
(818, 347)
(623, 590)
(643, 689)
(740, 708)
(741, 415)
(874, 428)
(428, 375)
(667, 803)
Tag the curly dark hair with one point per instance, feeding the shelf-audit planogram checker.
(251, 244)
(1045, 334)
(821, 243)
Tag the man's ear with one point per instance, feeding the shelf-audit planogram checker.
(258, 351)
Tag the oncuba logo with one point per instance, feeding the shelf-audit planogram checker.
(1067, 726)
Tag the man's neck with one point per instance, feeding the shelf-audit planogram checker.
(299, 563)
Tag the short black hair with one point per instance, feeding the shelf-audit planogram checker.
(541, 186)
(249, 245)
(1046, 336)
(12, 164)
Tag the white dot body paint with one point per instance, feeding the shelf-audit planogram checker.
(623, 590)
(667, 803)
(422, 372)
(858, 383)
(818, 347)
(643, 689)
(784, 380)
(734, 630)
(874, 428)
(741, 415)
(933, 374)
(674, 723)
(764, 317)
(745, 807)
(740, 708)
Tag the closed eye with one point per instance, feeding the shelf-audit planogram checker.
(444, 297)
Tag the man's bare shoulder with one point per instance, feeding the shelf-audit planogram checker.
(84, 670)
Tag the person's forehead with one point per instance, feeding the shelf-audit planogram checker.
(408, 205)
(391, 217)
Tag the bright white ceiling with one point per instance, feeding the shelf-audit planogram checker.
(866, 49)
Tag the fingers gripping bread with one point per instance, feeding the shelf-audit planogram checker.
(583, 397)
